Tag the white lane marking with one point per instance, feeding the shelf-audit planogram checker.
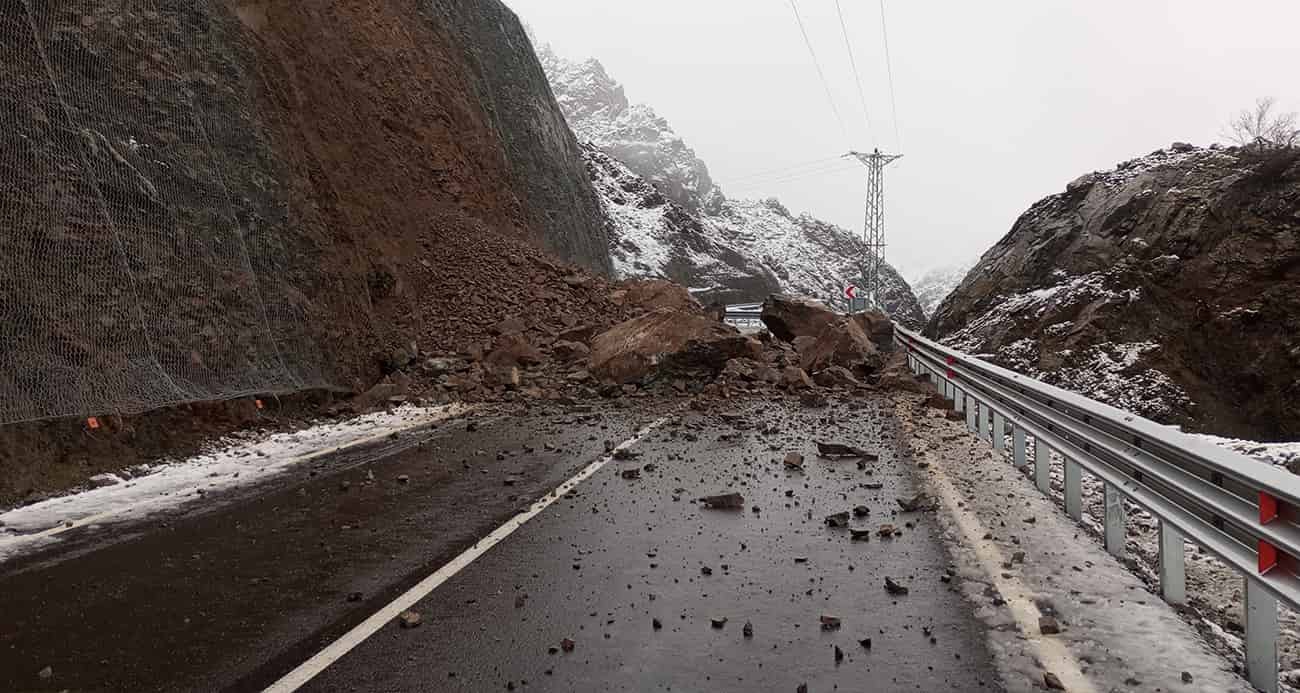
(443, 415)
(1052, 652)
(309, 669)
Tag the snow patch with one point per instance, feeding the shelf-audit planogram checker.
(236, 461)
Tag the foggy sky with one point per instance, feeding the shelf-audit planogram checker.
(999, 104)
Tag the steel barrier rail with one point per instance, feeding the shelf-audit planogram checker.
(1241, 510)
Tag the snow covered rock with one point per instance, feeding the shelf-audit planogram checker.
(670, 220)
(1168, 286)
(935, 285)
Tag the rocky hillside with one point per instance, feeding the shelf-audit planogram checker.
(936, 284)
(672, 221)
(268, 197)
(1169, 285)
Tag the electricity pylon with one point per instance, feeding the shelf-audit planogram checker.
(873, 231)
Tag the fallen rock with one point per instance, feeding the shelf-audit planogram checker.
(1052, 681)
(631, 474)
(842, 343)
(860, 534)
(652, 294)
(918, 503)
(748, 630)
(886, 530)
(795, 378)
(838, 520)
(513, 350)
(725, 501)
(1048, 626)
(570, 351)
(667, 339)
(836, 376)
(719, 621)
(878, 326)
(788, 317)
(409, 619)
(45, 673)
(829, 622)
(568, 645)
(794, 460)
(861, 511)
(841, 450)
(894, 588)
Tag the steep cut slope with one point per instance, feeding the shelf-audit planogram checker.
(677, 224)
(1169, 285)
(211, 199)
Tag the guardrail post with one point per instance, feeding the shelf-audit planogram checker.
(1173, 580)
(1042, 466)
(972, 416)
(1073, 489)
(959, 401)
(1261, 637)
(1018, 451)
(1114, 522)
(986, 421)
(999, 431)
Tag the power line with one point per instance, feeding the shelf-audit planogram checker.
(816, 63)
(893, 103)
(857, 77)
(834, 170)
(784, 169)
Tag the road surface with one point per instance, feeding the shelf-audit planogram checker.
(240, 591)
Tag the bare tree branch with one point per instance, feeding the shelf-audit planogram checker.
(1261, 129)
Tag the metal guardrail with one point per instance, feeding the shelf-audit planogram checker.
(1241, 510)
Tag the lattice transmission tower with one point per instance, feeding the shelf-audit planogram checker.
(873, 231)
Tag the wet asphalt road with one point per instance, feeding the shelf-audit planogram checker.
(618, 554)
(232, 595)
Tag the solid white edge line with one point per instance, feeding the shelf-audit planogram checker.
(309, 669)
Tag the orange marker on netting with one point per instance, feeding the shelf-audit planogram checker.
(93, 422)
(258, 402)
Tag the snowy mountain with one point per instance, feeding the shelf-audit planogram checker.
(1167, 286)
(670, 220)
(936, 284)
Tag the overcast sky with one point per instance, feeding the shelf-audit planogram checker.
(999, 103)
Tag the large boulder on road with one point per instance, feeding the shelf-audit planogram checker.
(878, 326)
(667, 339)
(788, 317)
(652, 294)
(841, 343)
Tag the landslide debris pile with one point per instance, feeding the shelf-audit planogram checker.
(205, 200)
(1168, 286)
(670, 220)
(668, 345)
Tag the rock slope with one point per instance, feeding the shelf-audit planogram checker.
(1169, 285)
(670, 220)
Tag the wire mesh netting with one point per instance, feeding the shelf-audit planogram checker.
(147, 257)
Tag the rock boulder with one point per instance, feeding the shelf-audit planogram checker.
(667, 340)
(788, 317)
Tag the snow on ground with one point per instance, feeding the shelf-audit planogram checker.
(238, 460)
(1020, 558)
(1214, 590)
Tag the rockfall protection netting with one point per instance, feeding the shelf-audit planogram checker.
(146, 254)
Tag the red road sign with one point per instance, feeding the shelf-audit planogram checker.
(851, 291)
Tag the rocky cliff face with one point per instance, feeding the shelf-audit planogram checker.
(671, 221)
(1169, 286)
(211, 199)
